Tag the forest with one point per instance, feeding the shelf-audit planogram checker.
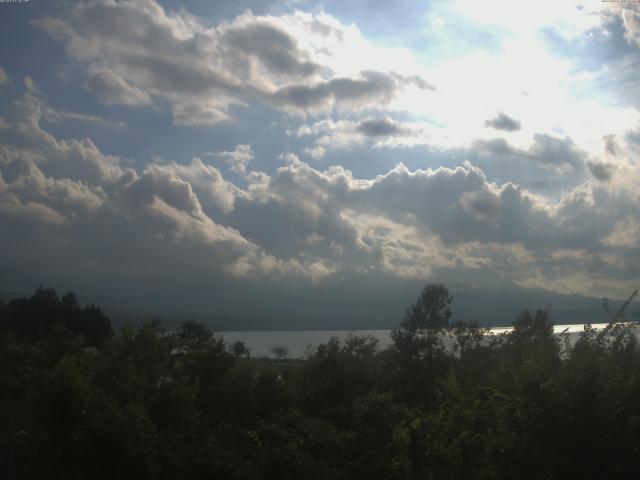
(81, 401)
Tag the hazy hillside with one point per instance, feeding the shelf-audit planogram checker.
(373, 307)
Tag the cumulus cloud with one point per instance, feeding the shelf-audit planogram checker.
(380, 131)
(457, 213)
(458, 205)
(237, 159)
(504, 122)
(303, 222)
(186, 224)
(64, 194)
(47, 178)
(611, 146)
(626, 234)
(495, 146)
(78, 160)
(271, 46)
(161, 193)
(382, 127)
(12, 206)
(557, 154)
(601, 171)
(215, 193)
(138, 51)
(348, 93)
(316, 152)
(297, 221)
(630, 14)
(73, 185)
(111, 89)
(615, 48)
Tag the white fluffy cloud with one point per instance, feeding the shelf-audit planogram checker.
(70, 182)
(409, 222)
(302, 222)
(558, 154)
(629, 14)
(137, 51)
(237, 159)
(111, 89)
(335, 90)
(379, 132)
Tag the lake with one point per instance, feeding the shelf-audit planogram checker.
(297, 343)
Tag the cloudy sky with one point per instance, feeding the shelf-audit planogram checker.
(278, 155)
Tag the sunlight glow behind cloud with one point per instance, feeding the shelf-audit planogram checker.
(300, 150)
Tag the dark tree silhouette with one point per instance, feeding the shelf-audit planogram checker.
(194, 336)
(69, 301)
(44, 314)
(538, 322)
(279, 351)
(240, 349)
(432, 311)
(185, 405)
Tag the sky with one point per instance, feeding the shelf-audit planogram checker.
(272, 158)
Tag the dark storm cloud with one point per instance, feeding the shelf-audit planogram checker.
(503, 122)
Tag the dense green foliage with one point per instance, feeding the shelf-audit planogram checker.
(44, 315)
(150, 404)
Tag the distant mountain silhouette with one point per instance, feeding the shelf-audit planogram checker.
(367, 305)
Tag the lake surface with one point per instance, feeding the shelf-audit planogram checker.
(297, 343)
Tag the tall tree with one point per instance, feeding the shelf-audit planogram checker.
(432, 311)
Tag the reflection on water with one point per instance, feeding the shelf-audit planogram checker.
(297, 343)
